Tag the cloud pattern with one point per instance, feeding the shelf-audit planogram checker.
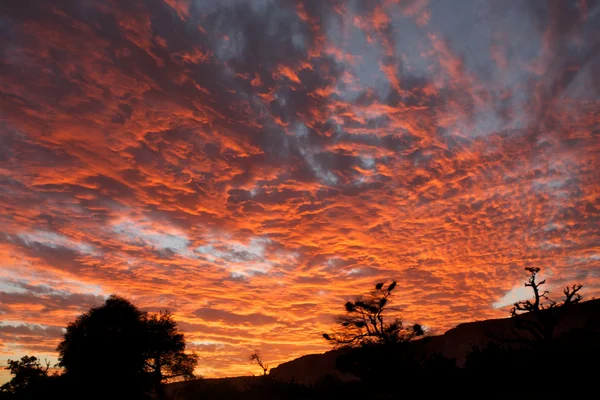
(250, 165)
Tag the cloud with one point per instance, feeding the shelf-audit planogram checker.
(54, 240)
(229, 318)
(252, 165)
(241, 259)
(145, 236)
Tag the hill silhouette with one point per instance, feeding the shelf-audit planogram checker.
(579, 327)
(455, 343)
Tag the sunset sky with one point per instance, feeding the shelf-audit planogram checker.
(251, 165)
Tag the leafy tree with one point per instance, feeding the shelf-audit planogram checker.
(119, 351)
(256, 358)
(104, 352)
(365, 321)
(543, 311)
(28, 376)
(166, 359)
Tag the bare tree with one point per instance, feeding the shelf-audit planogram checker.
(365, 321)
(544, 316)
(256, 358)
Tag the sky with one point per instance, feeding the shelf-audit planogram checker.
(252, 165)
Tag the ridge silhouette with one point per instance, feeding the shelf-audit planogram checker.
(117, 351)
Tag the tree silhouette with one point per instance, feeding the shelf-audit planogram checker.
(544, 311)
(28, 377)
(534, 342)
(119, 351)
(376, 346)
(365, 321)
(256, 358)
(166, 359)
(103, 352)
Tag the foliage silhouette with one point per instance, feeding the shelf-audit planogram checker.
(119, 351)
(29, 379)
(165, 358)
(104, 349)
(365, 321)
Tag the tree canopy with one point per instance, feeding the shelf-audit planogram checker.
(28, 377)
(166, 359)
(120, 349)
(105, 344)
